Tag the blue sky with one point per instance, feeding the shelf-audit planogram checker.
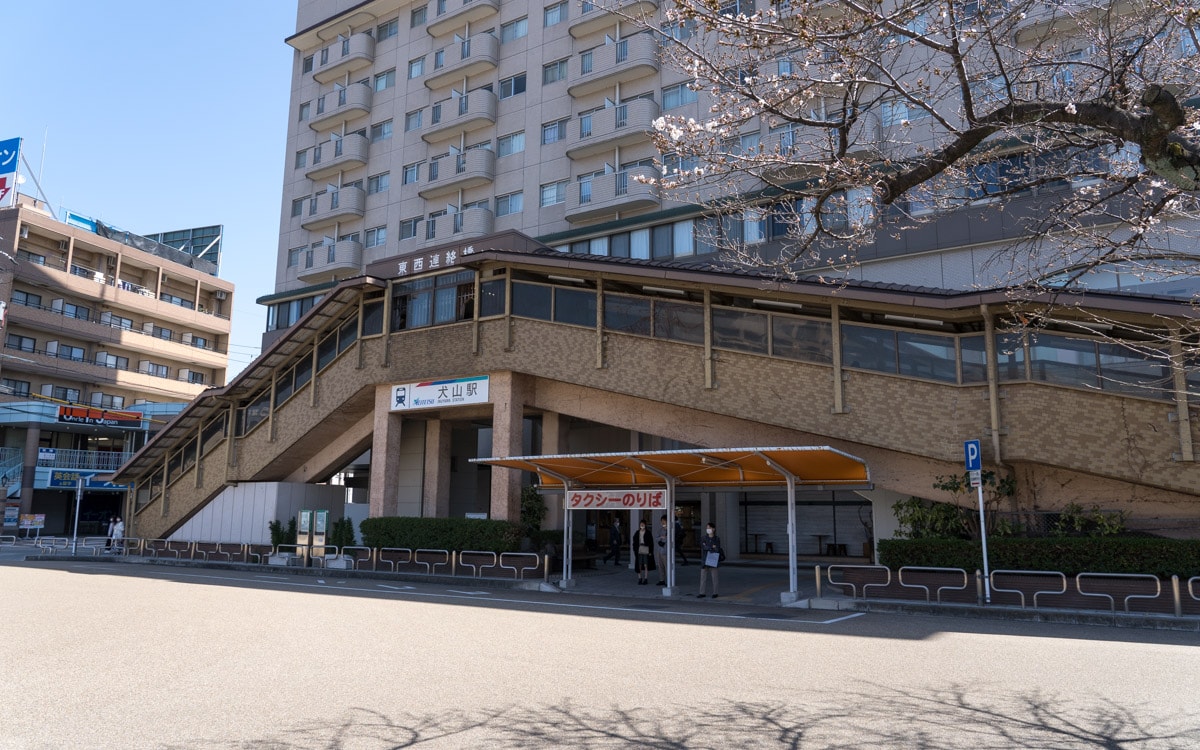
(158, 115)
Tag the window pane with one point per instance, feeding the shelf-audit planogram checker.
(924, 355)
(805, 340)
(531, 300)
(575, 306)
(679, 322)
(1058, 359)
(1125, 371)
(1010, 356)
(974, 359)
(493, 298)
(736, 329)
(627, 314)
(869, 348)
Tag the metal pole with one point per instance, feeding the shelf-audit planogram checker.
(78, 498)
(987, 584)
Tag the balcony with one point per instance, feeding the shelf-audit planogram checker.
(459, 172)
(339, 260)
(603, 130)
(464, 225)
(478, 54)
(468, 112)
(450, 15)
(609, 194)
(336, 155)
(328, 208)
(605, 66)
(344, 56)
(341, 105)
(595, 17)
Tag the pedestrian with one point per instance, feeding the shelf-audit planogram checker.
(711, 554)
(616, 540)
(660, 550)
(679, 540)
(117, 534)
(112, 521)
(640, 545)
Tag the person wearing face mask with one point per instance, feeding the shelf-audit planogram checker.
(710, 555)
(660, 549)
(641, 543)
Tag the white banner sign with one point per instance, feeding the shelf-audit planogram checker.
(433, 394)
(616, 499)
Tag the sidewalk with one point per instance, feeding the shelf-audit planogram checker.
(743, 583)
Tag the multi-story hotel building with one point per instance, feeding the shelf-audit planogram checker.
(462, 221)
(106, 335)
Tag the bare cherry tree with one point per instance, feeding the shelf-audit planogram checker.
(850, 120)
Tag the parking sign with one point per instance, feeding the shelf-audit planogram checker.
(971, 453)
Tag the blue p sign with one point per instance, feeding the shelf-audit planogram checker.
(971, 453)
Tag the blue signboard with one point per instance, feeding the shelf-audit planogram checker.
(69, 480)
(971, 453)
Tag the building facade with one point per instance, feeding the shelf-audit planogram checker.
(105, 339)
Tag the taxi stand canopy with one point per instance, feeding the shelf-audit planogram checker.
(812, 467)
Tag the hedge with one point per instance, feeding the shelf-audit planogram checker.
(441, 533)
(1069, 555)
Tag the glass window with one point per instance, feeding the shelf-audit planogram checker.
(409, 228)
(575, 306)
(416, 68)
(973, 356)
(554, 14)
(679, 321)
(681, 238)
(627, 314)
(298, 206)
(598, 246)
(1058, 359)
(552, 132)
(305, 108)
(553, 193)
(385, 80)
(869, 348)
(376, 236)
(555, 71)
(508, 204)
(306, 65)
(492, 298)
(411, 174)
(677, 96)
(661, 237)
(618, 245)
(531, 300)
(639, 244)
(512, 86)
(738, 329)
(387, 29)
(514, 30)
(381, 131)
(412, 121)
(926, 355)
(1135, 373)
(301, 160)
(513, 143)
(417, 17)
(378, 183)
(800, 339)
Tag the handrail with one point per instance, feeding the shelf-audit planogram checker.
(94, 544)
(963, 587)
(853, 586)
(47, 544)
(1062, 577)
(476, 569)
(1112, 603)
(1191, 583)
(222, 549)
(520, 572)
(254, 550)
(379, 556)
(280, 547)
(8, 539)
(430, 567)
(370, 555)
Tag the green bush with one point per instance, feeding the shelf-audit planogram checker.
(1069, 555)
(341, 534)
(281, 534)
(441, 533)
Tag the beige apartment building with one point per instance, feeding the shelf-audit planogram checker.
(106, 336)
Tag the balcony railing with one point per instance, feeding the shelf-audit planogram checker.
(471, 111)
(623, 125)
(333, 156)
(603, 14)
(450, 15)
(472, 56)
(333, 206)
(66, 458)
(620, 62)
(605, 195)
(341, 105)
(346, 55)
(466, 224)
(339, 260)
(156, 332)
(459, 172)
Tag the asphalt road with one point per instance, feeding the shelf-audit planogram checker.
(119, 656)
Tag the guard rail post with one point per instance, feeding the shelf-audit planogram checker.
(979, 588)
(817, 571)
(1175, 593)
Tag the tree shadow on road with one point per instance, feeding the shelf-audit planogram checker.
(954, 718)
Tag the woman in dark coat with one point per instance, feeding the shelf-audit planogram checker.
(641, 543)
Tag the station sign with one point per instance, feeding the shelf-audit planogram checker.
(434, 394)
(131, 420)
(615, 499)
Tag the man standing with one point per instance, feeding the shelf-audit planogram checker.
(615, 541)
(660, 549)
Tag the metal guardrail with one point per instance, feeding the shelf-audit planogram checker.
(433, 565)
(1061, 590)
(1112, 603)
(519, 572)
(352, 551)
(853, 586)
(8, 540)
(477, 568)
(966, 580)
(404, 552)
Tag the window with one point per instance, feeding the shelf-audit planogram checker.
(306, 65)
(14, 387)
(28, 257)
(73, 353)
(552, 132)
(736, 7)
(555, 71)
(387, 29)
(554, 14)
(157, 370)
(674, 163)
(508, 204)
(298, 207)
(26, 298)
(381, 131)
(20, 343)
(513, 143)
(376, 236)
(417, 17)
(301, 159)
(514, 30)
(409, 227)
(163, 333)
(64, 394)
(680, 32)
(378, 183)
(677, 96)
(76, 311)
(305, 108)
(385, 80)
(512, 86)
(412, 121)
(412, 174)
(554, 193)
(416, 68)
(112, 361)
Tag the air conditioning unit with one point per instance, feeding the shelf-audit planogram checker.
(184, 374)
(144, 366)
(24, 232)
(187, 338)
(220, 294)
(148, 327)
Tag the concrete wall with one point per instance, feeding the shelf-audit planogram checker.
(241, 513)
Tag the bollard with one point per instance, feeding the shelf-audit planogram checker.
(979, 588)
(1175, 591)
(817, 569)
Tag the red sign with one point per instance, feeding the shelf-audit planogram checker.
(103, 417)
(615, 499)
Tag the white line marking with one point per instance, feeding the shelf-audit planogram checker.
(394, 588)
(468, 593)
(841, 619)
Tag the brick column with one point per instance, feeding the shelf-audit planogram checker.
(435, 488)
(508, 393)
(385, 456)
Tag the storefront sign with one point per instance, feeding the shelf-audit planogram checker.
(615, 499)
(12, 513)
(10, 150)
(104, 417)
(30, 521)
(69, 480)
(47, 455)
(433, 394)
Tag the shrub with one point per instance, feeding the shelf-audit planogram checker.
(441, 533)
(281, 534)
(1069, 555)
(342, 533)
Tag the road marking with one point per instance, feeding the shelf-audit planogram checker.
(468, 593)
(395, 588)
(847, 617)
